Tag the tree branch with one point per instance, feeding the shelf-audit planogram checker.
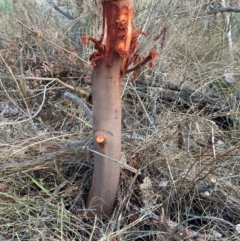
(66, 14)
(43, 159)
(82, 105)
(214, 10)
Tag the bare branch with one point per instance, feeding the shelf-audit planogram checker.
(43, 159)
(214, 10)
(78, 91)
(34, 32)
(76, 27)
(82, 105)
(64, 13)
(121, 162)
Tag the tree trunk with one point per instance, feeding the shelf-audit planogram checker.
(112, 52)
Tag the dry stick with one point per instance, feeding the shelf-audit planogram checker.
(77, 90)
(200, 217)
(21, 61)
(82, 105)
(31, 117)
(63, 12)
(140, 234)
(9, 97)
(41, 160)
(125, 86)
(148, 214)
(150, 144)
(93, 229)
(229, 177)
(35, 90)
(10, 71)
(145, 212)
(84, 144)
(67, 51)
(223, 9)
(198, 178)
(54, 194)
(44, 97)
(121, 163)
(74, 19)
(126, 199)
(154, 107)
(134, 136)
(144, 109)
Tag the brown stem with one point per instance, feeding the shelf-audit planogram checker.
(106, 89)
(106, 93)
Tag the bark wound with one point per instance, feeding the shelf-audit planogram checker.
(119, 38)
(100, 139)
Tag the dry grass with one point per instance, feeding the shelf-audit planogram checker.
(45, 169)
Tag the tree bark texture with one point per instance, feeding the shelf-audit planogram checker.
(106, 89)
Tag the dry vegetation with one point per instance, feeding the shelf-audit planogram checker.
(190, 170)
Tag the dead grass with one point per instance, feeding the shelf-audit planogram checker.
(45, 162)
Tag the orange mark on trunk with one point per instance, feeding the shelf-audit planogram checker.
(100, 139)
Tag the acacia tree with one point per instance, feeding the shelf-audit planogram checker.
(115, 52)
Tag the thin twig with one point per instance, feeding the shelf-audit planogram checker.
(41, 160)
(64, 13)
(154, 107)
(122, 164)
(44, 97)
(67, 51)
(193, 217)
(34, 90)
(229, 177)
(87, 111)
(133, 136)
(144, 109)
(17, 84)
(21, 61)
(36, 113)
(77, 90)
(223, 9)
(10, 98)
